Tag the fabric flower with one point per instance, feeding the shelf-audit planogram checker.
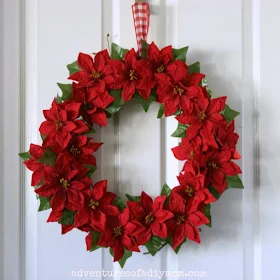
(61, 121)
(187, 218)
(219, 165)
(176, 89)
(36, 152)
(117, 235)
(132, 75)
(149, 217)
(97, 205)
(65, 186)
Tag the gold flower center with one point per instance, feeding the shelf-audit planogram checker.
(117, 231)
(58, 124)
(201, 115)
(212, 164)
(160, 69)
(74, 151)
(93, 204)
(149, 219)
(189, 190)
(191, 155)
(180, 219)
(178, 90)
(96, 75)
(132, 75)
(65, 184)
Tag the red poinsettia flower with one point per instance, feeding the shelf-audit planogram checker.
(132, 75)
(117, 235)
(36, 152)
(159, 58)
(192, 185)
(219, 165)
(65, 186)
(92, 108)
(226, 137)
(204, 116)
(98, 205)
(176, 89)
(149, 217)
(61, 121)
(187, 219)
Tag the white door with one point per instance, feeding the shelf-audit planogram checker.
(237, 44)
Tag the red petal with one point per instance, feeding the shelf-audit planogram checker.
(82, 217)
(179, 236)
(99, 117)
(118, 250)
(146, 202)
(88, 241)
(99, 189)
(81, 127)
(54, 216)
(217, 105)
(129, 243)
(58, 201)
(128, 91)
(47, 128)
(85, 61)
(72, 110)
(159, 229)
(36, 151)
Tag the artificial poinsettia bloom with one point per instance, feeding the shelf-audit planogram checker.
(193, 185)
(159, 58)
(149, 217)
(36, 152)
(97, 205)
(61, 122)
(203, 118)
(92, 108)
(133, 75)
(226, 137)
(66, 187)
(176, 89)
(187, 218)
(117, 235)
(219, 165)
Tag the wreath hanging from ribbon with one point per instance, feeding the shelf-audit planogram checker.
(64, 164)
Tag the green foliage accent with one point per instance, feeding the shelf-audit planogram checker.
(160, 111)
(119, 203)
(91, 169)
(49, 157)
(117, 52)
(44, 203)
(58, 99)
(66, 91)
(95, 237)
(194, 68)
(180, 54)
(145, 46)
(73, 67)
(204, 83)
(234, 182)
(91, 130)
(165, 190)
(25, 156)
(214, 192)
(207, 213)
(145, 103)
(133, 198)
(118, 102)
(67, 218)
(122, 261)
(155, 244)
(180, 131)
(229, 114)
(43, 137)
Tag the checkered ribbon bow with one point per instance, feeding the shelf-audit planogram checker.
(141, 16)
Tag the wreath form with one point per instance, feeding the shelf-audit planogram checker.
(63, 165)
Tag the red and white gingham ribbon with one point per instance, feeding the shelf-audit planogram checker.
(141, 16)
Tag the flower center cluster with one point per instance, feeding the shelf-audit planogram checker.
(87, 106)
(65, 184)
(178, 90)
(96, 75)
(201, 115)
(93, 204)
(212, 164)
(189, 190)
(74, 151)
(160, 69)
(149, 219)
(191, 155)
(117, 231)
(132, 75)
(58, 124)
(180, 219)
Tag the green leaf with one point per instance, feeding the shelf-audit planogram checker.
(119, 203)
(145, 46)
(234, 182)
(44, 203)
(180, 54)
(91, 169)
(122, 261)
(117, 52)
(214, 192)
(58, 99)
(229, 114)
(95, 237)
(49, 157)
(145, 103)
(180, 131)
(165, 190)
(25, 156)
(155, 244)
(194, 68)
(204, 83)
(73, 67)
(160, 111)
(118, 102)
(133, 198)
(43, 137)
(66, 91)
(207, 213)
(91, 130)
(67, 218)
